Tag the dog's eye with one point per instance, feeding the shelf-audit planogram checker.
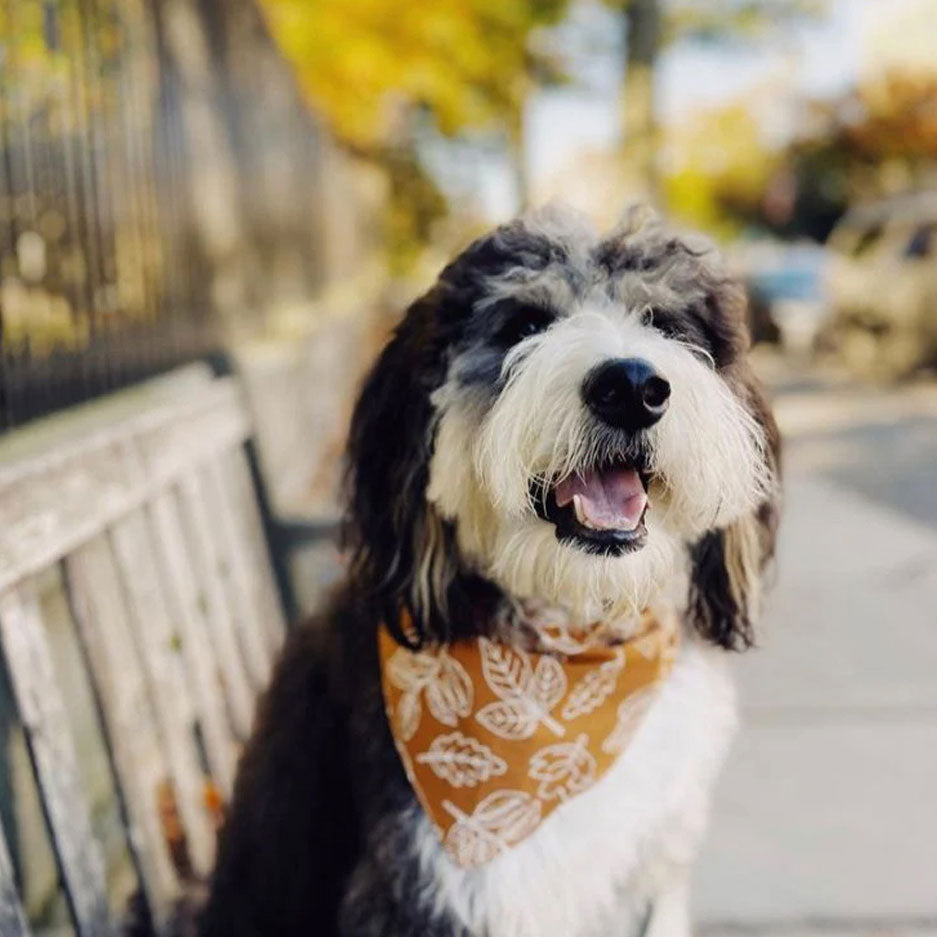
(681, 326)
(669, 324)
(521, 323)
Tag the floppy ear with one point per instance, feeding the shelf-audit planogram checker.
(728, 564)
(401, 551)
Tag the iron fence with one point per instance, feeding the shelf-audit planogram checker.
(157, 183)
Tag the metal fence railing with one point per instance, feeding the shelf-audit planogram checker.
(148, 183)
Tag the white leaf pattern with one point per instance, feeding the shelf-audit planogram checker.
(630, 713)
(498, 822)
(507, 669)
(443, 679)
(409, 670)
(594, 688)
(486, 791)
(526, 696)
(549, 682)
(563, 769)
(407, 715)
(449, 694)
(508, 719)
(462, 761)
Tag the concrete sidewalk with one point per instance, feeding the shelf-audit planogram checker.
(826, 817)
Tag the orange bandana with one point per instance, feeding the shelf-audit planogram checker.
(494, 739)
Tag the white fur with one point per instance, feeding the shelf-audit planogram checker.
(707, 454)
(595, 864)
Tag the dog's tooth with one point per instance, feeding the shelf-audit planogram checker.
(580, 514)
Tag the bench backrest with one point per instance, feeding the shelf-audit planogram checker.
(142, 510)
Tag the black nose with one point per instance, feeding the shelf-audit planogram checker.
(626, 393)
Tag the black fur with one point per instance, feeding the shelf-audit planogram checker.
(319, 839)
(721, 613)
(389, 458)
(289, 841)
(717, 612)
(389, 452)
(320, 826)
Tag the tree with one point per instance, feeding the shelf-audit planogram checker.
(719, 169)
(650, 26)
(375, 70)
(876, 140)
(644, 33)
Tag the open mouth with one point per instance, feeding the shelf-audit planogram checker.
(600, 509)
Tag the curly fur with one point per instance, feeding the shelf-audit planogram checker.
(461, 419)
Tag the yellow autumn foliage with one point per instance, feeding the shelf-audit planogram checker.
(365, 63)
(717, 167)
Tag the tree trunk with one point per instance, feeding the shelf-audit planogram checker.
(517, 152)
(643, 20)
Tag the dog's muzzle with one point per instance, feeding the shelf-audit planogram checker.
(601, 508)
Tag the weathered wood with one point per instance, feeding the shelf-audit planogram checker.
(193, 433)
(211, 589)
(237, 483)
(284, 414)
(12, 918)
(76, 424)
(205, 676)
(52, 503)
(159, 644)
(243, 577)
(154, 513)
(117, 671)
(43, 714)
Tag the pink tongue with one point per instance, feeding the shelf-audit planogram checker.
(611, 500)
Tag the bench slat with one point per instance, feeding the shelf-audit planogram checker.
(12, 919)
(205, 675)
(238, 483)
(242, 575)
(52, 503)
(204, 554)
(193, 435)
(152, 510)
(102, 619)
(159, 643)
(43, 714)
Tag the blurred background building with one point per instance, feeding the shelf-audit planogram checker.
(252, 181)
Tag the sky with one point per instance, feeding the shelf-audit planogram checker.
(819, 58)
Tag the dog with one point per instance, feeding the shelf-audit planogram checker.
(563, 433)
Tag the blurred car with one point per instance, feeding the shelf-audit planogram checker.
(785, 291)
(882, 285)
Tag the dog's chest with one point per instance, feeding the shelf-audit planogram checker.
(591, 867)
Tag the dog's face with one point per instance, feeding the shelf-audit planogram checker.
(563, 417)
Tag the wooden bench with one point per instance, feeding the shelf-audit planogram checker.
(139, 620)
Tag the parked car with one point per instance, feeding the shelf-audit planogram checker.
(882, 285)
(784, 282)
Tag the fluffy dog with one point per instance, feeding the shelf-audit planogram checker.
(564, 427)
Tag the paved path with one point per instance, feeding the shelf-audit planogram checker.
(826, 818)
